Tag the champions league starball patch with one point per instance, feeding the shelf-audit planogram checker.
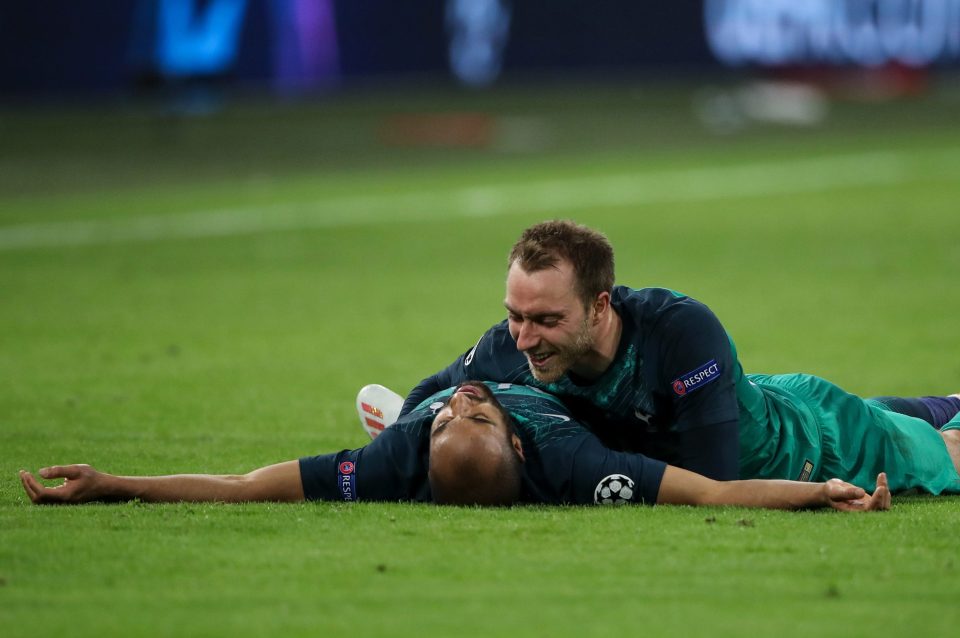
(615, 489)
(710, 371)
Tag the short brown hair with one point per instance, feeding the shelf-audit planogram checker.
(543, 245)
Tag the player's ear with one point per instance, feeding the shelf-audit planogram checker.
(517, 446)
(601, 304)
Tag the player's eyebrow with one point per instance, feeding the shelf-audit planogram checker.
(536, 317)
(479, 418)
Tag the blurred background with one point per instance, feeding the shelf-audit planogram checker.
(133, 92)
(291, 47)
(304, 84)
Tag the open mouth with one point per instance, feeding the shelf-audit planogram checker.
(540, 360)
(471, 390)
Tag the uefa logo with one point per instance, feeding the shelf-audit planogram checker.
(346, 467)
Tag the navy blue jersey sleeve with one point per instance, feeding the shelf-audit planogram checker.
(494, 358)
(697, 372)
(711, 450)
(391, 468)
(581, 470)
(318, 474)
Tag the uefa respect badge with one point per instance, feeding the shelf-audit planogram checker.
(697, 378)
(346, 479)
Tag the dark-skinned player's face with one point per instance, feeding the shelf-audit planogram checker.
(473, 404)
(472, 412)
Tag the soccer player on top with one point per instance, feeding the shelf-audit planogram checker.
(653, 371)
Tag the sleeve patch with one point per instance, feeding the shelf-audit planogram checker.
(697, 378)
(616, 489)
(346, 479)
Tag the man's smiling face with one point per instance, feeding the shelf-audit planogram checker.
(547, 319)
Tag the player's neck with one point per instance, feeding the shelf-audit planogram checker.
(606, 342)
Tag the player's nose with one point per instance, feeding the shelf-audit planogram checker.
(459, 402)
(527, 336)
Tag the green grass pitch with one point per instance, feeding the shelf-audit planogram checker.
(207, 295)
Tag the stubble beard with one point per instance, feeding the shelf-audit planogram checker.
(564, 358)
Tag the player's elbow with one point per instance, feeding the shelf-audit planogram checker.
(250, 487)
(237, 488)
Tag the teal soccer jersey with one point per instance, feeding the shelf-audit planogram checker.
(802, 427)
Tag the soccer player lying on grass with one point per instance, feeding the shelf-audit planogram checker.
(479, 443)
(653, 371)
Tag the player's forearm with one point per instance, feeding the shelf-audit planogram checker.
(681, 487)
(181, 487)
(82, 483)
(767, 494)
(280, 482)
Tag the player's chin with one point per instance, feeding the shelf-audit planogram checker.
(546, 374)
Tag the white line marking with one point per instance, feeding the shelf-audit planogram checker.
(546, 196)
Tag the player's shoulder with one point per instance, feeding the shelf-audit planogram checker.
(398, 446)
(655, 308)
(416, 423)
(653, 305)
(497, 338)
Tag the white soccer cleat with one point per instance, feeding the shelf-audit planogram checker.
(378, 407)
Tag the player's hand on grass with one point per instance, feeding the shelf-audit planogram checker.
(845, 497)
(81, 483)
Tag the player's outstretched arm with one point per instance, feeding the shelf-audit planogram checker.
(681, 487)
(82, 483)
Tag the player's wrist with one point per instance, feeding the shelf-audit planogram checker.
(109, 487)
(824, 498)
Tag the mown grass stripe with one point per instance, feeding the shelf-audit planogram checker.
(547, 196)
